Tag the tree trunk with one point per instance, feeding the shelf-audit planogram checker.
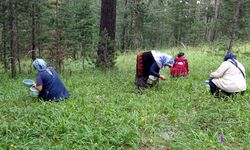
(105, 52)
(177, 30)
(33, 53)
(234, 29)
(207, 18)
(18, 48)
(13, 36)
(39, 45)
(38, 33)
(212, 30)
(124, 26)
(130, 30)
(4, 37)
(58, 30)
(5, 61)
(83, 52)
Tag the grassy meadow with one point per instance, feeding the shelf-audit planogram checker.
(104, 111)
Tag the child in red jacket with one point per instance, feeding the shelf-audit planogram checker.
(180, 67)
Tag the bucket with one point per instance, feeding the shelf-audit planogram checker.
(28, 82)
(206, 83)
(34, 91)
(152, 79)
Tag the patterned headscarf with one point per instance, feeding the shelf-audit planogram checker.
(41, 65)
(232, 57)
(162, 59)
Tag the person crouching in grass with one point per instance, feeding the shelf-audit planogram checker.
(48, 83)
(148, 67)
(180, 67)
(229, 78)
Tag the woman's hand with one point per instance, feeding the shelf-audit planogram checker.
(162, 77)
(34, 84)
(39, 87)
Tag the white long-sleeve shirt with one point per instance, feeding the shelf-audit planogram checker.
(229, 78)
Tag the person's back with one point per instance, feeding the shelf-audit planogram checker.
(53, 87)
(147, 61)
(229, 79)
(180, 67)
(232, 80)
(148, 65)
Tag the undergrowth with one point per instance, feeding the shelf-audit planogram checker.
(104, 111)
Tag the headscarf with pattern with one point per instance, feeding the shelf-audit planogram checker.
(162, 59)
(41, 65)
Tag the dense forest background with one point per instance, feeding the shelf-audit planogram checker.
(93, 45)
(94, 31)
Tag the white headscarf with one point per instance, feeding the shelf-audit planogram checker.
(41, 65)
(162, 59)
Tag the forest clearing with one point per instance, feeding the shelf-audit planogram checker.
(104, 111)
(101, 74)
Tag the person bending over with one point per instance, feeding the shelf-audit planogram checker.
(48, 83)
(148, 67)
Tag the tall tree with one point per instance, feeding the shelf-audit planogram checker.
(212, 30)
(57, 29)
(83, 26)
(4, 34)
(58, 36)
(124, 25)
(13, 36)
(33, 53)
(234, 28)
(106, 49)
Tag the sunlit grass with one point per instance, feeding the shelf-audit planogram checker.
(104, 111)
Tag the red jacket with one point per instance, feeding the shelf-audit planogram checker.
(180, 67)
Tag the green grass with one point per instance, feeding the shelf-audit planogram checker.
(104, 111)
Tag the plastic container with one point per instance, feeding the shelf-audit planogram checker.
(34, 91)
(151, 79)
(206, 83)
(28, 82)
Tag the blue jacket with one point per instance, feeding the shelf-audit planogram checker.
(53, 87)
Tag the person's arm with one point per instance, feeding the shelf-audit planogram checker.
(152, 71)
(220, 71)
(38, 84)
(38, 87)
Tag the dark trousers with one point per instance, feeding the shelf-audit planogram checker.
(213, 88)
(216, 91)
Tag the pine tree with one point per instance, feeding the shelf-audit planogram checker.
(106, 49)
